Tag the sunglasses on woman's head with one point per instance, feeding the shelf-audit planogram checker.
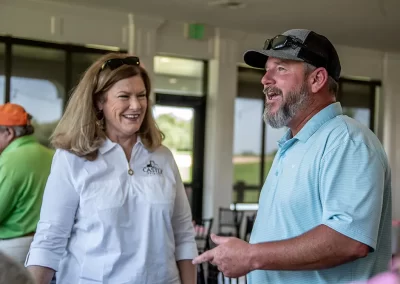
(115, 63)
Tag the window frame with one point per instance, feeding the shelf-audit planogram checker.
(68, 49)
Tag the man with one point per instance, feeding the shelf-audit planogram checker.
(325, 208)
(24, 168)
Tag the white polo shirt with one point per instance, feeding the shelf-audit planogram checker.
(99, 224)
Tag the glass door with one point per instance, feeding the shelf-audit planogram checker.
(182, 120)
(177, 125)
(180, 85)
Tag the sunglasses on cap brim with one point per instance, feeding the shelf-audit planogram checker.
(282, 41)
(115, 63)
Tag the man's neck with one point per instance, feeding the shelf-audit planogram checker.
(304, 116)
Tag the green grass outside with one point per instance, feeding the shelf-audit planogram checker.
(249, 173)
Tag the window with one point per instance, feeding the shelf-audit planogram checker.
(42, 73)
(358, 100)
(2, 77)
(249, 159)
(81, 62)
(177, 125)
(247, 141)
(37, 83)
(178, 76)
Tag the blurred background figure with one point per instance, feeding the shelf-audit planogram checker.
(24, 168)
(12, 272)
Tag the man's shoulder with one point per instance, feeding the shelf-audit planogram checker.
(348, 134)
(31, 150)
(343, 129)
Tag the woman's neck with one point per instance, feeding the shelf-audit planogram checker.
(126, 142)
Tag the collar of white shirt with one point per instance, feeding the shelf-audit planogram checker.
(108, 145)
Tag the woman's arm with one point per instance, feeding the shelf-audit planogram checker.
(57, 216)
(185, 244)
(187, 271)
(42, 275)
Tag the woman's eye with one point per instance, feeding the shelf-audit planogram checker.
(123, 96)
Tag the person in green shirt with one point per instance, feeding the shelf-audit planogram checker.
(24, 169)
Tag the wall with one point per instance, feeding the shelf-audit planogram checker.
(49, 21)
(147, 37)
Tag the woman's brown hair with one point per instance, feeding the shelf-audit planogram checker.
(77, 131)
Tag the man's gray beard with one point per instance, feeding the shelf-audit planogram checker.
(294, 102)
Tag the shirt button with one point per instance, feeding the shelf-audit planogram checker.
(276, 173)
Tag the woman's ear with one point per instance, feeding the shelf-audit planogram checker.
(99, 106)
(318, 79)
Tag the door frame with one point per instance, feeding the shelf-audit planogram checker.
(198, 104)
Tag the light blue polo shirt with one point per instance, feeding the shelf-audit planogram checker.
(333, 172)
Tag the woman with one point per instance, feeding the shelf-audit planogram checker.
(114, 208)
(12, 271)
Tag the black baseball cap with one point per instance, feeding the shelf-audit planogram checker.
(299, 45)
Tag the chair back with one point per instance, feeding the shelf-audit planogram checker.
(202, 229)
(249, 226)
(231, 220)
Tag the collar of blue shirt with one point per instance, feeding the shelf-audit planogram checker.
(314, 123)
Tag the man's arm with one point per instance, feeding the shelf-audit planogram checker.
(319, 248)
(7, 194)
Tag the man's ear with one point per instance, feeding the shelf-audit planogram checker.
(10, 132)
(318, 79)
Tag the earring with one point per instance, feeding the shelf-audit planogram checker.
(100, 121)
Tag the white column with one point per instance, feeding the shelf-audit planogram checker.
(222, 91)
(142, 40)
(391, 122)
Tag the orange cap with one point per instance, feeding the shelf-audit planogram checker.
(13, 115)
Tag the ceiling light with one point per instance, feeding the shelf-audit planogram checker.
(164, 60)
(230, 4)
(172, 80)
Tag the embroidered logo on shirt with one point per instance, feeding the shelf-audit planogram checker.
(152, 169)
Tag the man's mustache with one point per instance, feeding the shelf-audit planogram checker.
(272, 90)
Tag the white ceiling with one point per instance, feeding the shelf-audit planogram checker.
(361, 23)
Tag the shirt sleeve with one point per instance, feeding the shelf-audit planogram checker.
(352, 182)
(60, 202)
(185, 244)
(8, 193)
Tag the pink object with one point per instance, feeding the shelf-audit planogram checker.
(382, 278)
(385, 278)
